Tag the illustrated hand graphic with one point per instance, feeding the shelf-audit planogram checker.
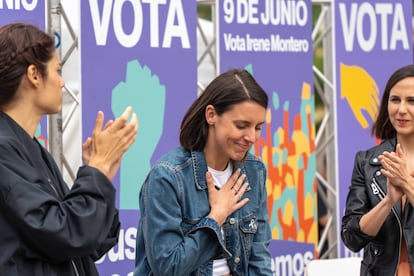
(141, 90)
(361, 92)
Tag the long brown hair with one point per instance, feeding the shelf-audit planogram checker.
(229, 88)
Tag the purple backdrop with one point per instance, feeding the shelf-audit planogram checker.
(141, 55)
(272, 40)
(372, 39)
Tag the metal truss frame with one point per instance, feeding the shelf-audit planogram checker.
(323, 86)
(57, 21)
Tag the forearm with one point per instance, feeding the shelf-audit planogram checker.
(171, 253)
(372, 221)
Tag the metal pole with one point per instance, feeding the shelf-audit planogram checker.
(55, 139)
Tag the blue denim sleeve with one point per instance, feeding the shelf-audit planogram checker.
(168, 250)
(260, 258)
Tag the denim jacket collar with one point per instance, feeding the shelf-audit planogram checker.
(200, 168)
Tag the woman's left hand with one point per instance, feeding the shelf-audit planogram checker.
(395, 168)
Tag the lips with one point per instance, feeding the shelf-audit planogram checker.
(244, 147)
(402, 122)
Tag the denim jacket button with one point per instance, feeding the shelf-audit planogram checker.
(232, 221)
(237, 260)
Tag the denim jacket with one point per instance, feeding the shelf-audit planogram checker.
(176, 236)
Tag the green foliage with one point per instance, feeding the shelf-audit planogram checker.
(204, 11)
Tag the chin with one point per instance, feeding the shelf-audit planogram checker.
(239, 156)
(54, 111)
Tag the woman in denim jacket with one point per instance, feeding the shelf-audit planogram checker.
(204, 204)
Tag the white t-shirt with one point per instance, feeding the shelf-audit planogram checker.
(220, 178)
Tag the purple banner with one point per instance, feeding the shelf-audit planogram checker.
(290, 258)
(141, 55)
(31, 12)
(272, 39)
(372, 39)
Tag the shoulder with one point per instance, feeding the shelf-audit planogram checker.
(253, 166)
(12, 136)
(252, 159)
(175, 158)
(375, 151)
(9, 144)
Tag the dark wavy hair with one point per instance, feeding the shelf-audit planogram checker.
(382, 127)
(229, 88)
(20, 46)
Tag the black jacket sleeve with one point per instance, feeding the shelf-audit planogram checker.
(357, 205)
(82, 222)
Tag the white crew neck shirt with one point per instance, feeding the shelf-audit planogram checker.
(220, 178)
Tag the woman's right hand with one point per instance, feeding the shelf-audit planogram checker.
(228, 199)
(109, 143)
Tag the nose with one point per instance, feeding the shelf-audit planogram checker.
(402, 108)
(250, 135)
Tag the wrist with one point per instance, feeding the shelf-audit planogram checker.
(101, 166)
(388, 201)
(217, 218)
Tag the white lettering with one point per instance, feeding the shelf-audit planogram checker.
(257, 44)
(384, 10)
(242, 11)
(273, 43)
(125, 249)
(175, 26)
(289, 265)
(127, 40)
(274, 12)
(289, 45)
(228, 9)
(100, 24)
(362, 23)
(179, 30)
(366, 10)
(399, 31)
(15, 4)
(154, 29)
(234, 43)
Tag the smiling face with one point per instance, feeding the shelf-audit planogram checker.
(401, 107)
(232, 133)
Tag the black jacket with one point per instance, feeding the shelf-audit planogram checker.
(368, 187)
(45, 228)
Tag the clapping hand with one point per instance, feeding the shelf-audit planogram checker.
(105, 148)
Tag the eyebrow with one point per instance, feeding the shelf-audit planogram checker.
(247, 122)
